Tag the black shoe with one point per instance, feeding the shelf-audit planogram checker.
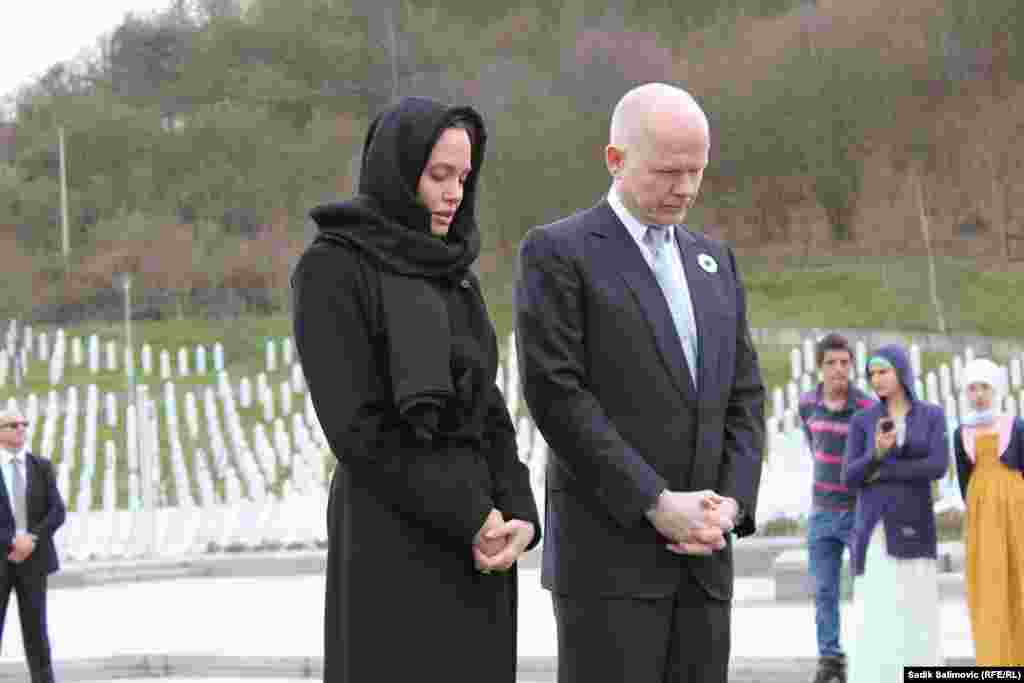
(831, 670)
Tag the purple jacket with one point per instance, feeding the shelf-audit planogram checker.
(901, 495)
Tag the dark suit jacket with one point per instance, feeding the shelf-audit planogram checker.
(45, 514)
(608, 385)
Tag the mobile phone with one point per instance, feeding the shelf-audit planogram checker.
(887, 425)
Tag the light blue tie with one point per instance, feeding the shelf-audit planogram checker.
(676, 290)
(18, 495)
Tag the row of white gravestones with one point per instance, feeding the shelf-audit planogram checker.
(934, 390)
(804, 362)
(282, 446)
(196, 360)
(88, 453)
(287, 353)
(12, 362)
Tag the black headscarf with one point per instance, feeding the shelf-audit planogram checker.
(387, 222)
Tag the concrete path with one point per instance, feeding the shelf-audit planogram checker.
(207, 627)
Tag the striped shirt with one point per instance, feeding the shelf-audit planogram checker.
(826, 432)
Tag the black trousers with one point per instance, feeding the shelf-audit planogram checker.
(30, 585)
(679, 639)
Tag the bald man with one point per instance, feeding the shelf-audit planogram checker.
(638, 368)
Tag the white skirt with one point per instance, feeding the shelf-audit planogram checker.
(895, 615)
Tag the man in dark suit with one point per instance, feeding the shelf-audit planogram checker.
(31, 510)
(639, 370)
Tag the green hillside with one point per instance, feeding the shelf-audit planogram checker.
(199, 137)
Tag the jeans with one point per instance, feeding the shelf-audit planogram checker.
(828, 534)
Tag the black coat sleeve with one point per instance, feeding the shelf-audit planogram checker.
(964, 466)
(510, 478)
(446, 491)
(744, 421)
(55, 510)
(549, 300)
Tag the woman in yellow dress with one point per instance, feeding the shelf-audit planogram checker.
(990, 465)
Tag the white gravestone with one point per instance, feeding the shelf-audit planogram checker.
(267, 399)
(129, 361)
(271, 356)
(792, 397)
(915, 360)
(165, 364)
(57, 364)
(77, 357)
(945, 382)
(245, 393)
(111, 356)
(286, 398)
(111, 406)
(192, 415)
(183, 362)
(809, 359)
(932, 388)
(94, 354)
(861, 351)
(287, 351)
(147, 360)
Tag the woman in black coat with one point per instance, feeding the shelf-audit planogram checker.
(430, 506)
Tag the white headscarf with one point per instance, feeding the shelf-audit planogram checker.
(983, 371)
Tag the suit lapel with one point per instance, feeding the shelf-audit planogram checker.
(4, 496)
(32, 484)
(624, 255)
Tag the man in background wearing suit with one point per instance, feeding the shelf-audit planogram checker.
(31, 510)
(638, 368)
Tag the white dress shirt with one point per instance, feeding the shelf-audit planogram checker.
(638, 230)
(8, 471)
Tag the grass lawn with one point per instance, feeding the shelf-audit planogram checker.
(891, 294)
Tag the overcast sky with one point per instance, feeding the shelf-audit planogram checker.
(35, 34)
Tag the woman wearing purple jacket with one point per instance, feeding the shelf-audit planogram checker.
(894, 451)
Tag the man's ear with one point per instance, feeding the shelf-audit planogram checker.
(614, 159)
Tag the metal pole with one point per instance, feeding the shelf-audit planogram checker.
(65, 239)
(394, 52)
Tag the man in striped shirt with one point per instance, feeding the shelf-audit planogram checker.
(825, 415)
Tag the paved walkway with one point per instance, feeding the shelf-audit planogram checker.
(188, 628)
